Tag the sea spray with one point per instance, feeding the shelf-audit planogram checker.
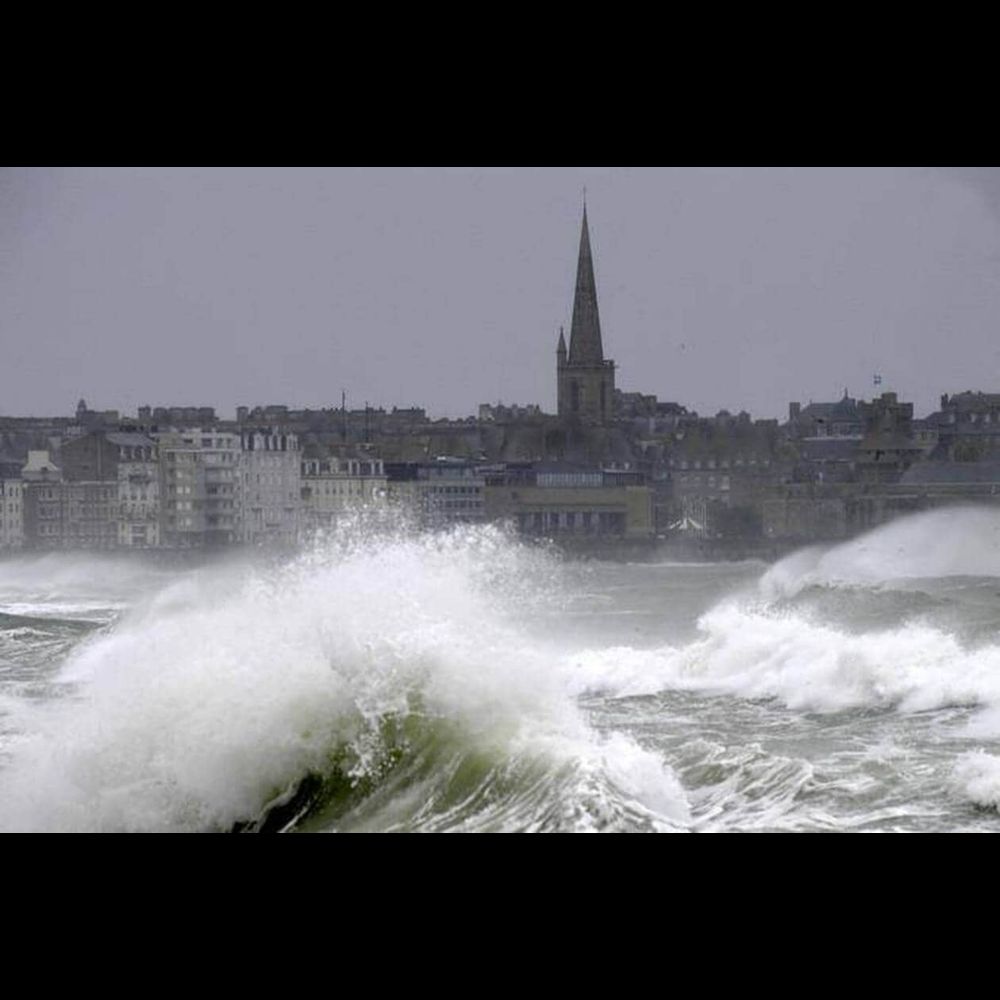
(762, 653)
(953, 541)
(391, 679)
(977, 777)
(218, 694)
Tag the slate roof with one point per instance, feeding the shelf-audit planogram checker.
(130, 439)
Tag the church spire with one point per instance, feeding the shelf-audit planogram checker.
(585, 331)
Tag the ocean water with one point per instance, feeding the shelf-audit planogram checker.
(390, 680)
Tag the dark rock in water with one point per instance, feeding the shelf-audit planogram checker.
(280, 813)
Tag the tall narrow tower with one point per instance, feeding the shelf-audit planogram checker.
(586, 382)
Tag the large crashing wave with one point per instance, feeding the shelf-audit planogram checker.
(380, 680)
(388, 679)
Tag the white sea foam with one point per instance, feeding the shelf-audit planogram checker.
(977, 777)
(752, 647)
(955, 541)
(763, 653)
(224, 688)
(221, 687)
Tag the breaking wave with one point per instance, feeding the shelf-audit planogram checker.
(768, 653)
(374, 681)
(955, 541)
(799, 636)
(977, 777)
(388, 679)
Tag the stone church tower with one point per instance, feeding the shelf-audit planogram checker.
(586, 382)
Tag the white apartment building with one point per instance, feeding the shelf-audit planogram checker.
(199, 488)
(138, 490)
(333, 486)
(11, 514)
(270, 487)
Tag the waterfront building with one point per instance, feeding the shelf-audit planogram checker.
(42, 504)
(74, 513)
(270, 486)
(199, 487)
(11, 514)
(561, 500)
(138, 472)
(105, 496)
(333, 486)
(440, 493)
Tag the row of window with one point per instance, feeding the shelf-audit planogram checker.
(722, 463)
(349, 467)
(459, 505)
(586, 521)
(91, 495)
(710, 481)
(337, 489)
(195, 458)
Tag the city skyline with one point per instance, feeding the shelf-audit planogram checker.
(727, 288)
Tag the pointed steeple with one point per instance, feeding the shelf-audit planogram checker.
(585, 331)
(561, 347)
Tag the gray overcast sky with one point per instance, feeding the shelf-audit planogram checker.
(735, 288)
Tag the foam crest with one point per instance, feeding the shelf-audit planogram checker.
(219, 692)
(977, 777)
(766, 653)
(610, 783)
(955, 541)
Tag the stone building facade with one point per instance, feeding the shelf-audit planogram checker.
(70, 515)
(138, 473)
(570, 502)
(887, 448)
(589, 510)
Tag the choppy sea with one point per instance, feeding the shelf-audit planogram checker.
(387, 679)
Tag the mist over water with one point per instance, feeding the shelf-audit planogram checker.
(388, 679)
